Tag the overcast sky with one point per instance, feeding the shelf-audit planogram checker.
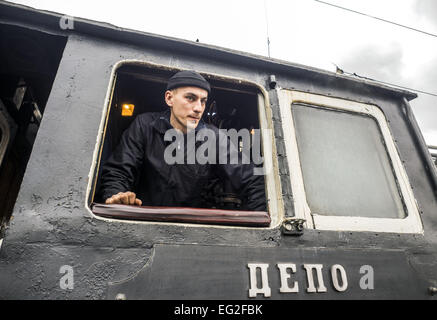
(301, 31)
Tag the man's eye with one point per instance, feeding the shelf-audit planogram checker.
(190, 98)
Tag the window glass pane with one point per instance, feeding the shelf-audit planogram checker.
(345, 165)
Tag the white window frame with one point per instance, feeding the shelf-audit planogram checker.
(410, 224)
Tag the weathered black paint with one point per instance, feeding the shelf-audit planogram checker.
(204, 272)
(51, 225)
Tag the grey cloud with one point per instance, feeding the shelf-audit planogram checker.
(427, 8)
(425, 106)
(372, 61)
(427, 78)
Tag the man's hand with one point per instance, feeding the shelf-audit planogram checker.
(124, 198)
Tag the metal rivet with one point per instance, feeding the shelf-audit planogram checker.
(432, 290)
(272, 81)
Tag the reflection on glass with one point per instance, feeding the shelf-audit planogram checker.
(345, 165)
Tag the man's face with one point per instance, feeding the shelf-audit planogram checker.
(187, 105)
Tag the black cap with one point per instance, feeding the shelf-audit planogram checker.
(188, 78)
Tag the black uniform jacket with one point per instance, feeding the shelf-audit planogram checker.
(138, 165)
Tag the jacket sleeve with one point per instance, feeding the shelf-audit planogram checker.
(242, 176)
(124, 165)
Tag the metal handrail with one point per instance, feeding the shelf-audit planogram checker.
(433, 154)
(424, 152)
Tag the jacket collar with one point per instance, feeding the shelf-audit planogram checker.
(162, 122)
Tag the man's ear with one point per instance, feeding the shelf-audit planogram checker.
(168, 96)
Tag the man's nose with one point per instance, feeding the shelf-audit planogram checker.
(197, 106)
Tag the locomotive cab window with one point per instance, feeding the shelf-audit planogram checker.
(346, 173)
(233, 108)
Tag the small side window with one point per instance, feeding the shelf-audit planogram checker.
(4, 134)
(345, 170)
(433, 152)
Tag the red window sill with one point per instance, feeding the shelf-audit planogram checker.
(180, 214)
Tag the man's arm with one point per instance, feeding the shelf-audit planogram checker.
(123, 166)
